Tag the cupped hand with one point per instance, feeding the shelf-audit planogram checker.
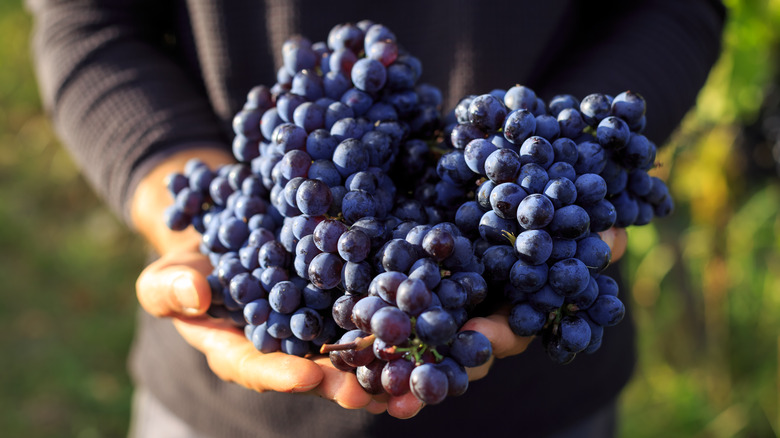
(175, 286)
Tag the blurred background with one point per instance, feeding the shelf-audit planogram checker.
(705, 282)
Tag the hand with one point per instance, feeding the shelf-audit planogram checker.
(496, 326)
(175, 286)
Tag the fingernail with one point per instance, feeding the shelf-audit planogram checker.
(186, 295)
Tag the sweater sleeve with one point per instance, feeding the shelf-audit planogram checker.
(663, 49)
(117, 97)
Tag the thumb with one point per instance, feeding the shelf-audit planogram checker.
(175, 285)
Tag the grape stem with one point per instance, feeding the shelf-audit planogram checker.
(358, 344)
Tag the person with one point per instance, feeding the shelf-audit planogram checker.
(136, 88)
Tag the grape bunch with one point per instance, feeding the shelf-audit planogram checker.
(546, 179)
(356, 222)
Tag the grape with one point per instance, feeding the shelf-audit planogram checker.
(391, 325)
(568, 276)
(532, 178)
(537, 150)
(487, 111)
(396, 375)
(244, 288)
(629, 106)
(612, 132)
(607, 310)
(429, 384)
(533, 246)
(435, 326)
(325, 270)
(503, 165)
(413, 296)
(370, 377)
(505, 199)
(520, 97)
(562, 169)
(369, 75)
(451, 294)
(594, 108)
(561, 191)
(525, 320)
(471, 348)
(284, 297)
(476, 153)
(263, 341)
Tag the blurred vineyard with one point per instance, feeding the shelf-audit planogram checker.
(706, 282)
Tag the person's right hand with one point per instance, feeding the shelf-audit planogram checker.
(175, 286)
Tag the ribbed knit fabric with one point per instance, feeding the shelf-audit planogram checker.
(127, 82)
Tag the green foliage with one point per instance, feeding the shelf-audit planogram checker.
(706, 281)
(67, 271)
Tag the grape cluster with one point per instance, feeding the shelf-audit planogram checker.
(351, 226)
(545, 180)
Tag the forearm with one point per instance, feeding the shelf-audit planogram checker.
(116, 94)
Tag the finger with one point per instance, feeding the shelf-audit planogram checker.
(233, 358)
(175, 285)
(376, 407)
(496, 328)
(342, 387)
(617, 239)
(404, 406)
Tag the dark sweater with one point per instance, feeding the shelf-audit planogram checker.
(127, 82)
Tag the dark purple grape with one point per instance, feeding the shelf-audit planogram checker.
(594, 108)
(263, 341)
(428, 384)
(370, 376)
(607, 310)
(413, 296)
(278, 325)
(535, 211)
(256, 312)
(607, 285)
(284, 297)
(532, 178)
(546, 299)
(471, 348)
(245, 288)
(396, 375)
(629, 106)
(594, 252)
(561, 191)
(364, 310)
(487, 111)
(342, 311)
(435, 326)
(533, 246)
(569, 276)
(325, 270)
(368, 75)
(505, 199)
(562, 101)
(569, 222)
(525, 320)
(391, 325)
(520, 97)
(476, 153)
(385, 285)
